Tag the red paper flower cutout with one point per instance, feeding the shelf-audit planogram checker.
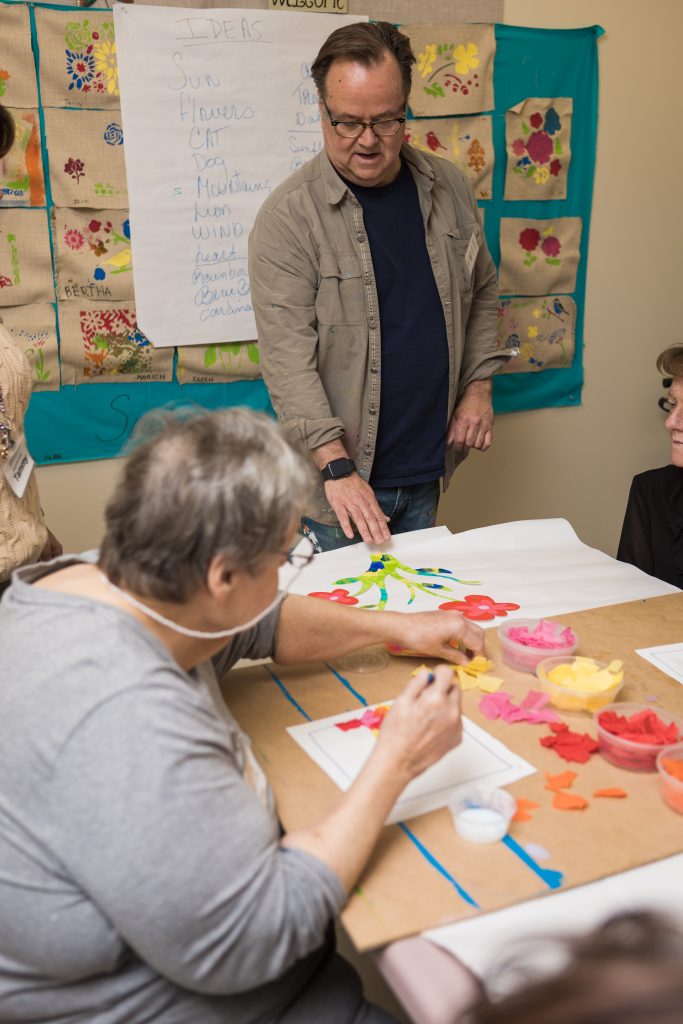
(479, 606)
(339, 596)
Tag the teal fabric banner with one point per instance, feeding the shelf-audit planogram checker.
(94, 421)
(546, 63)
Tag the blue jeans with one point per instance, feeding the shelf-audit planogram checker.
(409, 508)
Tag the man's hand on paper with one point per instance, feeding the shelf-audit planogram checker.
(354, 503)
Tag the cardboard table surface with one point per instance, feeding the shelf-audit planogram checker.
(417, 875)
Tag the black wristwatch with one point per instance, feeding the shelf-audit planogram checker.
(338, 469)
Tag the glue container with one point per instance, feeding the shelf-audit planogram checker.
(482, 815)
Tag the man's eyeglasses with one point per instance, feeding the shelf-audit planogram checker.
(354, 129)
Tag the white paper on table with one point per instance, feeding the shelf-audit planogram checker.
(667, 658)
(218, 107)
(479, 759)
(481, 943)
(336, 561)
(541, 565)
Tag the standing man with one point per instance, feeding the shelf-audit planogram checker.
(375, 299)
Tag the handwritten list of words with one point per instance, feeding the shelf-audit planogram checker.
(218, 108)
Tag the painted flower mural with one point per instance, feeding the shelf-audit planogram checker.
(74, 239)
(466, 58)
(113, 344)
(551, 246)
(384, 567)
(110, 247)
(339, 596)
(537, 146)
(91, 58)
(74, 168)
(480, 607)
(113, 134)
(80, 67)
(105, 62)
(458, 62)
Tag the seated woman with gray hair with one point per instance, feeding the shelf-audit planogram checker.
(652, 534)
(143, 873)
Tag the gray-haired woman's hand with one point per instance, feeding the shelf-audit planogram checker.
(422, 725)
(424, 722)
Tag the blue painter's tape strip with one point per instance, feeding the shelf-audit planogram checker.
(288, 695)
(347, 684)
(438, 865)
(553, 879)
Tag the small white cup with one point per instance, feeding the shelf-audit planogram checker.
(482, 815)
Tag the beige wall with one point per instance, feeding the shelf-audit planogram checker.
(576, 462)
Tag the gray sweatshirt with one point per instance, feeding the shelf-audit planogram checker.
(141, 878)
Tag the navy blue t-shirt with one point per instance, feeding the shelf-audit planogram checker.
(413, 412)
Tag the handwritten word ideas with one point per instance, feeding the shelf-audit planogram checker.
(218, 108)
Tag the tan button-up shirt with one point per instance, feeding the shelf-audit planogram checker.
(317, 311)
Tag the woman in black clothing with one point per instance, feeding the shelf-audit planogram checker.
(652, 534)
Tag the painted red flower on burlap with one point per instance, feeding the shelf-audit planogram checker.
(551, 246)
(539, 146)
(529, 239)
(479, 607)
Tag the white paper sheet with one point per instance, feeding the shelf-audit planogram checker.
(478, 759)
(481, 942)
(541, 565)
(218, 108)
(667, 658)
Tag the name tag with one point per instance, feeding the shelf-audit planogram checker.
(18, 467)
(471, 253)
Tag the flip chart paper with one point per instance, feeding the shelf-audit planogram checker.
(218, 108)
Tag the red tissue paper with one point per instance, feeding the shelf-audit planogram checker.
(572, 746)
(640, 727)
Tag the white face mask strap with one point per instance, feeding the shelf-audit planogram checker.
(196, 634)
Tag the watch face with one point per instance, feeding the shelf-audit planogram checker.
(338, 469)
